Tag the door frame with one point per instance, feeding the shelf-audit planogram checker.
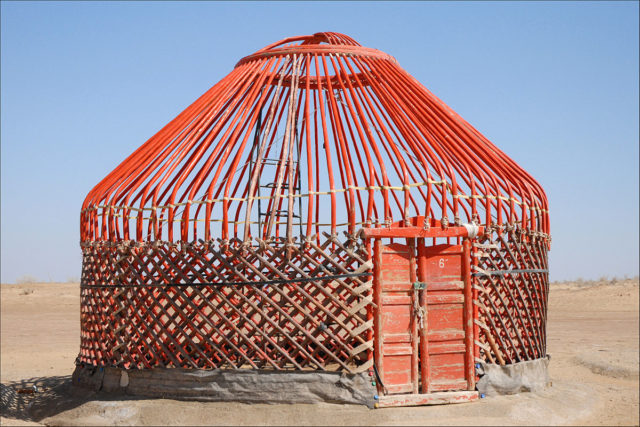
(415, 235)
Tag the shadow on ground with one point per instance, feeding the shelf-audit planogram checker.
(35, 399)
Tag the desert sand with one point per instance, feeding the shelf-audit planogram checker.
(592, 339)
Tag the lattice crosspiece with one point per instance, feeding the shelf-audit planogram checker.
(310, 134)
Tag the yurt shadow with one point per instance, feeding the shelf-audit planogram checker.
(34, 399)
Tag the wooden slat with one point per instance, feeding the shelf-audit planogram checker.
(440, 398)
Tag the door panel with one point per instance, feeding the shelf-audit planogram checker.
(445, 318)
(396, 317)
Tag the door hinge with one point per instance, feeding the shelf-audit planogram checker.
(419, 285)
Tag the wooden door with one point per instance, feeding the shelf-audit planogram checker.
(397, 343)
(444, 354)
(422, 324)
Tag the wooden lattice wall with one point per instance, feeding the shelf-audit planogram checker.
(511, 288)
(273, 305)
(260, 305)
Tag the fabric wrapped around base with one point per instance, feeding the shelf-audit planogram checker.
(532, 375)
(248, 386)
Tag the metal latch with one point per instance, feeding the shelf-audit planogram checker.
(419, 285)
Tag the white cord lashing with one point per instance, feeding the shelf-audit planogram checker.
(472, 230)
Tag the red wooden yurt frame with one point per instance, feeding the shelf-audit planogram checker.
(244, 233)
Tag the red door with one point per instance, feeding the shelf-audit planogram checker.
(423, 323)
(443, 355)
(397, 343)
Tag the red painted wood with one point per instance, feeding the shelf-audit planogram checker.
(446, 335)
(412, 232)
(427, 399)
(397, 349)
(396, 299)
(399, 388)
(194, 171)
(424, 331)
(377, 312)
(476, 309)
(446, 385)
(415, 377)
(444, 299)
(402, 337)
(445, 305)
(443, 348)
(468, 315)
(435, 286)
(447, 347)
(394, 286)
(447, 366)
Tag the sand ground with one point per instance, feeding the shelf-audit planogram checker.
(592, 338)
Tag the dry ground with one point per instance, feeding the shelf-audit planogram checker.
(593, 341)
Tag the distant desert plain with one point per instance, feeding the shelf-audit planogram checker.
(592, 339)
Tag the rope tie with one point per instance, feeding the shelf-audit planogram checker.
(427, 223)
(224, 244)
(417, 309)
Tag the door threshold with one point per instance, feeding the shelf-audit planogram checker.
(439, 398)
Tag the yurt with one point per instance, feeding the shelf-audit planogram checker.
(317, 226)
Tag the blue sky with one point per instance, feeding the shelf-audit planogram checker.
(554, 85)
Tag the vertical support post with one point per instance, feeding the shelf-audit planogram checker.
(370, 311)
(468, 315)
(476, 328)
(377, 313)
(425, 373)
(415, 318)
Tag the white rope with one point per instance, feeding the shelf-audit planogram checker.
(321, 193)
